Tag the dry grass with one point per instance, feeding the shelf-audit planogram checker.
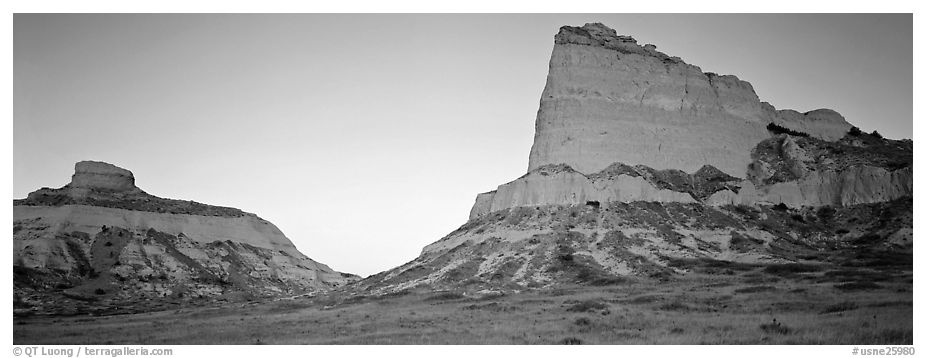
(697, 310)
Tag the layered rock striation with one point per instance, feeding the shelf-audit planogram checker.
(610, 103)
(102, 238)
(562, 185)
(643, 166)
(795, 171)
(557, 245)
(805, 171)
(102, 176)
(607, 99)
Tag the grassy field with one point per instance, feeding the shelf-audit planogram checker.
(784, 305)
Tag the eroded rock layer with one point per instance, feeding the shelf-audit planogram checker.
(551, 246)
(608, 99)
(561, 185)
(100, 240)
(643, 166)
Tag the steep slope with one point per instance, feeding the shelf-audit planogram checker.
(100, 240)
(805, 171)
(555, 245)
(644, 167)
(608, 99)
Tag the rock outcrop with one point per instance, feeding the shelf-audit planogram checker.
(558, 245)
(798, 171)
(102, 176)
(608, 99)
(610, 102)
(103, 239)
(825, 124)
(561, 185)
(857, 185)
(608, 194)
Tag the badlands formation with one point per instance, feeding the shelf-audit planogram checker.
(643, 164)
(610, 103)
(102, 239)
(608, 99)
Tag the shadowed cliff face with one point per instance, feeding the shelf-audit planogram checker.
(100, 242)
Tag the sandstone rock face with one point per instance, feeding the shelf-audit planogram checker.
(800, 171)
(249, 229)
(101, 176)
(608, 99)
(608, 191)
(101, 232)
(618, 183)
(825, 124)
(853, 186)
(561, 185)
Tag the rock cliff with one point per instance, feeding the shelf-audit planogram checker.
(644, 166)
(805, 171)
(561, 185)
(102, 240)
(610, 103)
(102, 176)
(795, 171)
(607, 99)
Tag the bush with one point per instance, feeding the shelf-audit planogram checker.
(586, 306)
(876, 135)
(855, 132)
(99, 291)
(840, 307)
(570, 341)
(825, 213)
(774, 128)
(780, 207)
(775, 327)
(785, 269)
(445, 296)
(754, 289)
(675, 306)
(747, 212)
(858, 286)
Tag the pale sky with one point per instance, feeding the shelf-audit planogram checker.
(366, 137)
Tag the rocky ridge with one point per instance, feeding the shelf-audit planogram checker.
(608, 99)
(608, 196)
(100, 240)
(558, 245)
(562, 185)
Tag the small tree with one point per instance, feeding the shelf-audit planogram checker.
(855, 132)
(876, 134)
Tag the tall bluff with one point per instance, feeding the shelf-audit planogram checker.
(608, 99)
(620, 122)
(102, 238)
